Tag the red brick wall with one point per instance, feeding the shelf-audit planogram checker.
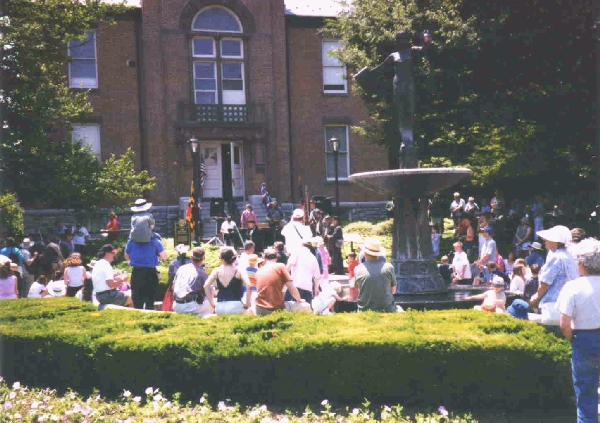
(116, 100)
(310, 107)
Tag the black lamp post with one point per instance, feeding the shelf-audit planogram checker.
(335, 146)
(195, 146)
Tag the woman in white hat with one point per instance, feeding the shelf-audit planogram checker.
(558, 270)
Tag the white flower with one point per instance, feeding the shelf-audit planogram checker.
(324, 402)
(387, 408)
(98, 397)
(202, 399)
(72, 395)
(54, 417)
(35, 404)
(221, 405)
(46, 398)
(254, 413)
(16, 385)
(149, 391)
(284, 420)
(126, 393)
(158, 397)
(17, 415)
(137, 399)
(77, 408)
(7, 405)
(12, 395)
(263, 407)
(355, 411)
(384, 414)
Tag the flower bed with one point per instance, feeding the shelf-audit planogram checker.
(463, 358)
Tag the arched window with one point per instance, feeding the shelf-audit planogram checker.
(218, 59)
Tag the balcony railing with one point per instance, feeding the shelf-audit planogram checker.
(221, 113)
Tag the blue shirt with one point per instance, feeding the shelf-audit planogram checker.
(558, 270)
(144, 254)
(534, 258)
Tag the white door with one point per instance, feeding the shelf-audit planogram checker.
(237, 169)
(213, 185)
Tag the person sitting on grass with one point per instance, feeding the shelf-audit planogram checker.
(38, 288)
(493, 299)
(517, 280)
(324, 303)
(188, 287)
(231, 283)
(106, 284)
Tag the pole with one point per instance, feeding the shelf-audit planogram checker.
(337, 184)
(195, 175)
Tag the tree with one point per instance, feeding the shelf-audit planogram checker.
(41, 164)
(506, 88)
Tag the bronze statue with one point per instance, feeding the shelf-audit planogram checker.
(404, 93)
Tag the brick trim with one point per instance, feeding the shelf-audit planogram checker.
(194, 6)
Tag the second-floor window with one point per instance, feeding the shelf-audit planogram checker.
(218, 60)
(83, 69)
(334, 71)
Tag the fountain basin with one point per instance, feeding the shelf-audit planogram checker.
(411, 183)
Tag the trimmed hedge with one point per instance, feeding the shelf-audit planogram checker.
(465, 359)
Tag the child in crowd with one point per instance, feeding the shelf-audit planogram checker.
(435, 241)
(493, 299)
(38, 288)
(142, 222)
(282, 257)
(526, 270)
(325, 301)
(352, 263)
(325, 257)
(517, 280)
(445, 270)
(531, 287)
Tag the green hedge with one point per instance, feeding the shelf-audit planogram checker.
(465, 359)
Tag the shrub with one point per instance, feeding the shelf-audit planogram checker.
(463, 358)
(11, 214)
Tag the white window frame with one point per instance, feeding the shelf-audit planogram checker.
(207, 56)
(97, 151)
(240, 57)
(80, 83)
(347, 153)
(216, 91)
(342, 67)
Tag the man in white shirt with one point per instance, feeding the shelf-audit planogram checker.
(228, 227)
(80, 236)
(295, 231)
(304, 268)
(105, 283)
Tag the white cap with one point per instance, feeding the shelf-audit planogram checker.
(297, 213)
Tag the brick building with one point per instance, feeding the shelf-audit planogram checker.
(251, 79)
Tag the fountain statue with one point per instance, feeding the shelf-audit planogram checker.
(412, 254)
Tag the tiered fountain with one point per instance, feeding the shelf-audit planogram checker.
(419, 283)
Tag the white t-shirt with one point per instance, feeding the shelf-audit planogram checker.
(35, 291)
(517, 285)
(225, 226)
(460, 260)
(76, 275)
(580, 299)
(101, 273)
(326, 293)
(294, 233)
(304, 267)
(79, 236)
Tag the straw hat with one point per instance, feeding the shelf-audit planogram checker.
(373, 247)
(141, 205)
(254, 259)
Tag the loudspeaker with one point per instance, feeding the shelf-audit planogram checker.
(217, 206)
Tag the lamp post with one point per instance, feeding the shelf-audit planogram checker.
(195, 147)
(335, 146)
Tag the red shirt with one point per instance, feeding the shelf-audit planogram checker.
(270, 280)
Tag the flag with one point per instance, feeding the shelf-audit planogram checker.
(189, 214)
(202, 172)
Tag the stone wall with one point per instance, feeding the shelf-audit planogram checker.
(165, 216)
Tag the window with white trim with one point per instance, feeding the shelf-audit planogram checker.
(341, 133)
(222, 79)
(83, 66)
(88, 135)
(334, 71)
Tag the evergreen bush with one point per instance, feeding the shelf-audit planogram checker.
(11, 215)
(464, 358)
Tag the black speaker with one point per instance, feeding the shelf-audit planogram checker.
(217, 206)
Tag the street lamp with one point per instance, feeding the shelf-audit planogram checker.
(195, 146)
(335, 146)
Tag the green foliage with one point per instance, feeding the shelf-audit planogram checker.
(11, 214)
(418, 358)
(40, 405)
(499, 91)
(40, 164)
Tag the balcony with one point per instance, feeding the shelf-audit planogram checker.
(215, 114)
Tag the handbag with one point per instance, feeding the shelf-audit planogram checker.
(168, 299)
(550, 314)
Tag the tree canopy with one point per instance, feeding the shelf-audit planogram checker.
(507, 88)
(39, 161)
